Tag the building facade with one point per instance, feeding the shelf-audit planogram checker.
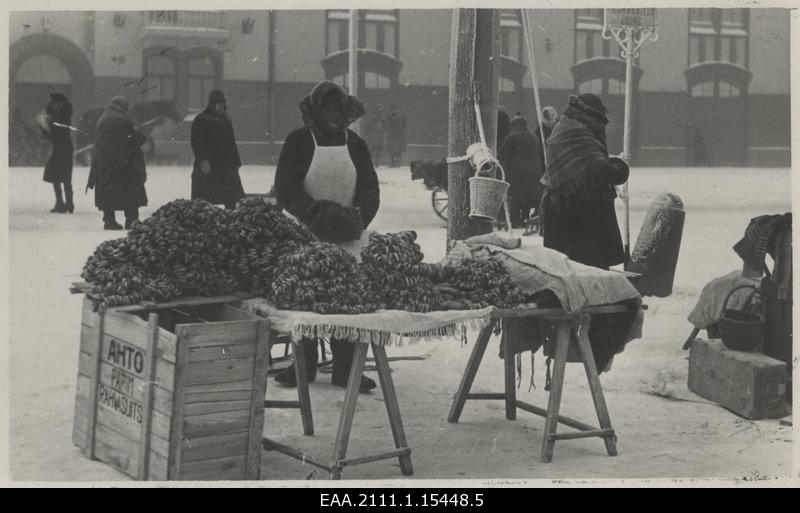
(712, 90)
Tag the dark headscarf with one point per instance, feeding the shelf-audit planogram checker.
(518, 124)
(119, 103)
(589, 109)
(311, 107)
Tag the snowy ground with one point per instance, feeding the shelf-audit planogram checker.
(680, 437)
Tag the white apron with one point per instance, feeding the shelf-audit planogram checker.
(332, 176)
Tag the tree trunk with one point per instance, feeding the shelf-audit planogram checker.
(474, 58)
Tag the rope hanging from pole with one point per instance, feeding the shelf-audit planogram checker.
(526, 27)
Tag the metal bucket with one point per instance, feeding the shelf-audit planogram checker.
(741, 330)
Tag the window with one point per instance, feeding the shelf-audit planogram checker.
(377, 30)
(162, 78)
(202, 78)
(376, 81)
(589, 42)
(718, 35)
(511, 34)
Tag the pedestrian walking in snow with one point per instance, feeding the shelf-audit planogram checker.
(118, 172)
(58, 169)
(215, 176)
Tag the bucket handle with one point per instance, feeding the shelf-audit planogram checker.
(734, 289)
(499, 166)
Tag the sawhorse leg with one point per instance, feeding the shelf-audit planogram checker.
(585, 349)
(471, 371)
(301, 375)
(348, 409)
(510, 376)
(392, 407)
(556, 387)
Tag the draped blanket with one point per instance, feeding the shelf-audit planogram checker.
(573, 153)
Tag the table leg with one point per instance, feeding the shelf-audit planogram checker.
(510, 376)
(392, 406)
(585, 348)
(556, 386)
(469, 373)
(348, 409)
(301, 375)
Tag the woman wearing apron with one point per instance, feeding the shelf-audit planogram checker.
(326, 179)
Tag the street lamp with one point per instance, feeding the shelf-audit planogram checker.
(631, 28)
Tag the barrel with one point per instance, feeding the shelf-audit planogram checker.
(655, 255)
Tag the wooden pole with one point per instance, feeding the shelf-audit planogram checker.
(271, 83)
(474, 60)
(352, 60)
(626, 140)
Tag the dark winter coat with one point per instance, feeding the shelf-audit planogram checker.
(582, 222)
(118, 170)
(213, 140)
(503, 125)
(396, 134)
(298, 151)
(520, 156)
(59, 167)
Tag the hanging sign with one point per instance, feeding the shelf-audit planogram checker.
(630, 18)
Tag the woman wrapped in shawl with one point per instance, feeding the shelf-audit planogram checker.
(326, 179)
(578, 205)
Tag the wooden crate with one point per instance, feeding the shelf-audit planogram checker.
(752, 385)
(173, 392)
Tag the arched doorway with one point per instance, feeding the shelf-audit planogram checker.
(38, 65)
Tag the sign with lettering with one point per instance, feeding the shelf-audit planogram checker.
(121, 384)
(631, 18)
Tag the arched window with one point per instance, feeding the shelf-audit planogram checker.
(719, 35)
(43, 69)
(162, 78)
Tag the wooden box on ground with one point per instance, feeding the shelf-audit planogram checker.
(174, 392)
(749, 384)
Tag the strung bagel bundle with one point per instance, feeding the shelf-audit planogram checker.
(323, 278)
(479, 283)
(190, 247)
(392, 263)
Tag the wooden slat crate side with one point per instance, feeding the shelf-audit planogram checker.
(117, 450)
(219, 446)
(88, 341)
(220, 333)
(220, 469)
(177, 430)
(231, 352)
(89, 317)
(219, 391)
(215, 407)
(216, 423)
(158, 467)
(223, 371)
(256, 430)
(162, 398)
(134, 331)
(80, 417)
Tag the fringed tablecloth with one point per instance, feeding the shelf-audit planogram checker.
(384, 327)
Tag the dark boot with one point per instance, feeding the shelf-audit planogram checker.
(342, 351)
(131, 216)
(59, 208)
(287, 376)
(110, 221)
(68, 205)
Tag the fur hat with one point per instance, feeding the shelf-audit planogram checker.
(590, 104)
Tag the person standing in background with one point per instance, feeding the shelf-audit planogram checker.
(58, 169)
(549, 120)
(374, 132)
(521, 158)
(395, 136)
(215, 175)
(118, 171)
(503, 125)
(578, 205)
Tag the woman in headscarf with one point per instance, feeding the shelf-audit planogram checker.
(118, 171)
(215, 176)
(578, 206)
(58, 169)
(326, 179)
